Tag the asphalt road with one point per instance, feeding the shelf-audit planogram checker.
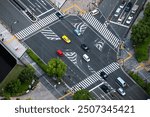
(46, 49)
(102, 48)
(10, 14)
(120, 27)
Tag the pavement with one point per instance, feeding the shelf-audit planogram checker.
(58, 89)
(39, 93)
(79, 6)
(11, 42)
(129, 62)
(17, 50)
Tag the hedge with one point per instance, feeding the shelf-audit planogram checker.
(36, 59)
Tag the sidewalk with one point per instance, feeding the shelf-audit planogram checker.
(11, 42)
(17, 50)
(76, 6)
(131, 64)
(39, 93)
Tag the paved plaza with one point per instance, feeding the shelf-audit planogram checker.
(76, 6)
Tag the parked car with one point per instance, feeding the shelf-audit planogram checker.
(134, 8)
(121, 91)
(59, 15)
(117, 12)
(85, 47)
(128, 21)
(103, 75)
(77, 32)
(123, 4)
(128, 7)
(59, 53)
(120, 19)
(86, 57)
(66, 39)
(105, 88)
(95, 11)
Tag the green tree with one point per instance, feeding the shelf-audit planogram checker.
(140, 32)
(82, 95)
(13, 87)
(27, 75)
(147, 10)
(57, 68)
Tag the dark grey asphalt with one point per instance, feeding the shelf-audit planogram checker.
(9, 14)
(46, 49)
(37, 6)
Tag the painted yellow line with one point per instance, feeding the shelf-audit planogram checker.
(11, 39)
(69, 93)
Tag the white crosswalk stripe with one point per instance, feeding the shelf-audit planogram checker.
(36, 26)
(95, 77)
(109, 36)
(49, 34)
(72, 56)
(80, 26)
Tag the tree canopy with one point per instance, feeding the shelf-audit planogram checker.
(82, 95)
(56, 68)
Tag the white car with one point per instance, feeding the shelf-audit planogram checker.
(95, 11)
(117, 12)
(121, 91)
(128, 21)
(120, 19)
(86, 57)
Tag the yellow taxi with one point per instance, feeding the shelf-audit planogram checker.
(66, 39)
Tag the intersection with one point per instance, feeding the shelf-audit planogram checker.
(99, 34)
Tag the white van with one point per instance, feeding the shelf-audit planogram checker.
(121, 82)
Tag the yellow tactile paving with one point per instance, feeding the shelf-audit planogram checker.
(9, 40)
(69, 93)
(66, 9)
(73, 6)
(81, 11)
(140, 66)
(124, 60)
(129, 56)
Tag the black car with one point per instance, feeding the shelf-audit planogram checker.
(103, 75)
(128, 7)
(123, 4)
(85, 47)
(105, 88)
(59, 15)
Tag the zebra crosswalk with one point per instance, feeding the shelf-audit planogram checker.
(36, 26)
(108, 35)
(80, 26)
(95, 77)
(72, 56)
(49, 34)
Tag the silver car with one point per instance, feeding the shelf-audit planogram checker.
(121, 91)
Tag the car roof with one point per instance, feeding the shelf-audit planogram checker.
(85, 55)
